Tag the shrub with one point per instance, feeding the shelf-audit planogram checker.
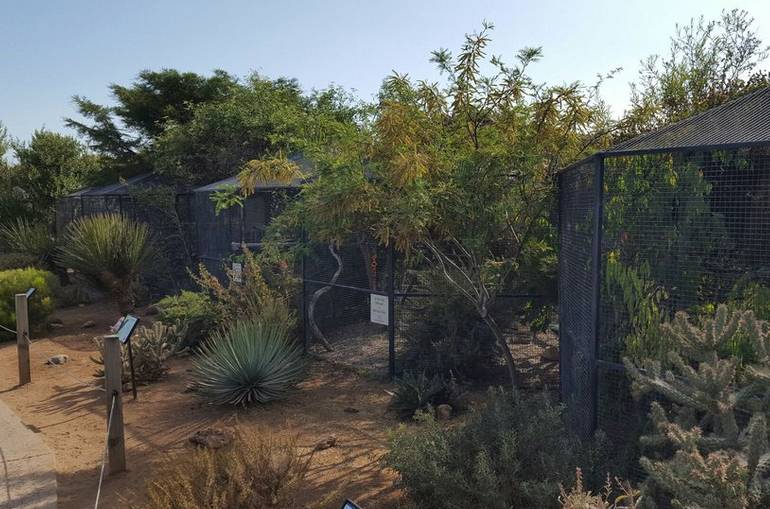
(615, 495)
(18, 281)
(151, 346)
(110, 250)
(447, 337)
(16, 261)
(259, 470)
(513, 453)
(253, 361)
(247, 298)
(31, 239)
(191, 312)
(421, 392)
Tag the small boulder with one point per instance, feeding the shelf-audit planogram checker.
(57, 360)
(444, 412)
(326, 443)
(55, 325)
(151, 310)
(88, 324)
(211, 438)
(53, 321)
(550, 354)
(351, 410)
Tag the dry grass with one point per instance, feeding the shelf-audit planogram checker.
(258, 470)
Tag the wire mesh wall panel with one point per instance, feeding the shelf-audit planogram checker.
(339, 285)
(577, 213)
(681, 232)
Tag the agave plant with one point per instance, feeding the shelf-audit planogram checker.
(109, 249)
(254, 361)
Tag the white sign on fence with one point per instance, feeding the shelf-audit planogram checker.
(378, 312)
(237, 272)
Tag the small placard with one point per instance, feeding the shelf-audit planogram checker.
(237, 272)
(378, 312)
(126, 328)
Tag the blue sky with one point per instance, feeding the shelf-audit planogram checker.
(50, 51)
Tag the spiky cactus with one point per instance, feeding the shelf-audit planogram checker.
(721, 458)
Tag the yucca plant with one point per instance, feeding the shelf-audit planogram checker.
(31, 239)
(254, 361)
(110, 250)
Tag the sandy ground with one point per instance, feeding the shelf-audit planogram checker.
(65, 405)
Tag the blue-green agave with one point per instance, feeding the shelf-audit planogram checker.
(254, 361)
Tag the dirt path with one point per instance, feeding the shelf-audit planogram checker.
(65, 406)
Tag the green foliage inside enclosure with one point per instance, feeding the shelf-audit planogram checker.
(710, 443)
(657, 215)
(192, 313)
(514, 452)
(252, 362)
(111, 250)
(420, 392)
(634, 304)
(19, 281)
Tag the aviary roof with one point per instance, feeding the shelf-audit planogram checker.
(122, 187)
(745, 120)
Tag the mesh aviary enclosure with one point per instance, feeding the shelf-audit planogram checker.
(220, 234)
(677, 219)
(151, 199)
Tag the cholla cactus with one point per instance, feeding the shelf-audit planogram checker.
(715, 457)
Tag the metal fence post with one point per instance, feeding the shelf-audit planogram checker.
(113, 385)
(391, 312)
(596, 268)
(303, 300)
(22, 338)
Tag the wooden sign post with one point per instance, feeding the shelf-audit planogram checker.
(22, 336)
(113, 386)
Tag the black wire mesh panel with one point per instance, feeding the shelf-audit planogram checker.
(576, 296)
(681, 232)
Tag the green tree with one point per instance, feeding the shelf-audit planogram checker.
(262, 118)
(48, 167)
(123, 132)
(709, 63)
(460, 173)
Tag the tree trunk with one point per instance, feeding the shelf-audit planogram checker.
(509, 362)
(317, 295)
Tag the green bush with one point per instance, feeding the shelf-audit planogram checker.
(110, 250)
(253, 361)
(16, 261)
(191, 312)
(447, 337)
(421, 392)
(514, 452)
(32, 239)
(18, 281)
(248, 296)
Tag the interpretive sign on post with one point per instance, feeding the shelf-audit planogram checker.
(378, 312)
